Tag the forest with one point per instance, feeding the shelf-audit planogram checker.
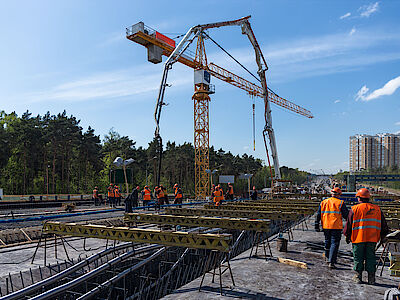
(54, 154)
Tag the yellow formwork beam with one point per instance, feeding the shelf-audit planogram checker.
(262, 208)
(269, 203)
(195, 221)
(220, 242)
(250, 214)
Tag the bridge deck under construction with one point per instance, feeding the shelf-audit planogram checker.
(260, 278)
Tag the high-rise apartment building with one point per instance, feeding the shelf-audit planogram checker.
(374, 151)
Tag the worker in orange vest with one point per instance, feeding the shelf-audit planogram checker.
(110, 194)
(117, 195)
(95, 196)
(160, 197)
(146, 193)
(178, 195)
(222, 193)
(218, 196)
(165, 197)
(229, 194)
(330, 213)
(365, 226)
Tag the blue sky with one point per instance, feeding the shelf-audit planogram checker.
(339, 59)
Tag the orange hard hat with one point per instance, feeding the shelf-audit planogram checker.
(111, 184)
(175, 184)
(336, 190)
(363, 193)
(229, 183)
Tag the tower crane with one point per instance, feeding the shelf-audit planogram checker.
(158, 45)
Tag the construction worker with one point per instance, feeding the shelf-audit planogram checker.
(253, 194)
(117, 195)
(229, 193)
(330, 213)
(159, 196)
(178, 195)
(222, 192)
(365, 226)
(146, 195)
(218, 195)
(110, 194)
(165, 197)
(132, 200)
(95, 196)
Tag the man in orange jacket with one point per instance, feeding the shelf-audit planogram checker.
(365, 226)
(330, 214)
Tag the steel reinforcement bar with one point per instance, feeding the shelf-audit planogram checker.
(203, 221)
(219, 242)
(249, 214)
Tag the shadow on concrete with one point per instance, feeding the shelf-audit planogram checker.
(236, 293)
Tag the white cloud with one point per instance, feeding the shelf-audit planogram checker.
(367, 10)
(388, 89)
(361, 93)
(337, 101)
(352, 31)
(108, 85)
(346, 15)
(397, 123)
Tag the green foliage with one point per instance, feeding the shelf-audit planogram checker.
(52, 153)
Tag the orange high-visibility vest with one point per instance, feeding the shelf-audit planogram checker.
(178, 193)
(366, 225)
(331, 216)
(230, 190)
(117, 193)
(160, 193)
(110, 192)
(218, 196)
(147, 194)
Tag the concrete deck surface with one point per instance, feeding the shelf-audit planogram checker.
(258, 278)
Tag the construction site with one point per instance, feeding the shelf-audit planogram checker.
(259, 244)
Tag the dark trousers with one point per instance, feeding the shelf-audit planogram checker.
(332, 242)
(128, 206)
(364, 255)
(111, 200)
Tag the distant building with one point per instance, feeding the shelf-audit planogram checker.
(374, 151)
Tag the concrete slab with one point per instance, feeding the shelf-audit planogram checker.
(258, 278)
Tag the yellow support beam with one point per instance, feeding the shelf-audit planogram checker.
(263, 208)
(250, 214)
(220, 242)
(195, 221)
(278, 204)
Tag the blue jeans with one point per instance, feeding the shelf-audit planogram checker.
(332, 242)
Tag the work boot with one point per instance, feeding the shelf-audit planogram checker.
(357, 278)
(332, 266)
(371, 278)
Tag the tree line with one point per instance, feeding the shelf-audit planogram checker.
(54, 154)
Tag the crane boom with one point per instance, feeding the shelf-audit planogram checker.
(221, 73)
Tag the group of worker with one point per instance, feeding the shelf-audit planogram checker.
(365, 227)
(132, 200)
(217, 193)
(113, 195)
